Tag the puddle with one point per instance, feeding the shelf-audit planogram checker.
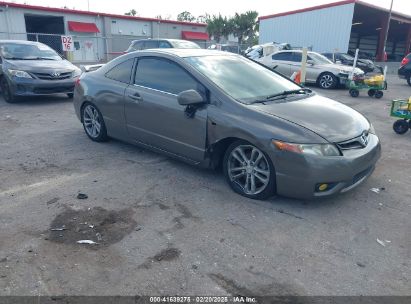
(99, 225)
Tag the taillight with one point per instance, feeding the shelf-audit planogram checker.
(405, 61)
(77, 82)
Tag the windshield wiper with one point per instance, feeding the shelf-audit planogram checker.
(283, 94)
(290, 92)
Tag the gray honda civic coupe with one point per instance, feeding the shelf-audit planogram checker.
(220, 110)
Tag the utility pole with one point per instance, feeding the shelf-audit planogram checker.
(388, 28)
(88, 5)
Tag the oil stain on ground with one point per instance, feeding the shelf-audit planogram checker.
(105, 227)
(166, 255)
(253, 289)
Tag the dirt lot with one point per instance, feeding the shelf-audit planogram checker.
(163, 227)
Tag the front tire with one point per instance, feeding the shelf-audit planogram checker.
(327, 81)
(249, 171)
(93, 123)
(354, 93)
(401, 126)
(7, 94)
(409, 80)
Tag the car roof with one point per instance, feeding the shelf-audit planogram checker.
(160, 39)
(24, 42)
(188, 52)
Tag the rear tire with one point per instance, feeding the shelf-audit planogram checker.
(401, 126)
(327, 81)
(249, 171)
(371, 92)
(379, 94)
(6, 91)
(93, 123)
(409, 80)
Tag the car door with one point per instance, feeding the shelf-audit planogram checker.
(153, 115)
(281, 62)
(110, 101)
(295, 62)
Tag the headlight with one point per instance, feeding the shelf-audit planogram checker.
(20, 74)
(76, 72)
(309, 149)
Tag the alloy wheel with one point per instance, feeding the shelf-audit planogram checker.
(92, 121)
(249, 169)
(326, 81)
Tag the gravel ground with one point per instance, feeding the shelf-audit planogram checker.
(164, 227)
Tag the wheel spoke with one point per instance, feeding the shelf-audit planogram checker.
(237, 157)
(247, 184)
(263, 179)
(98, 126)
(237, 176)
(237, 169)
(252, 183)
(241, 152)
(89, 112)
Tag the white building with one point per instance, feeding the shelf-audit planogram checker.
(341, 26)
(97, 36)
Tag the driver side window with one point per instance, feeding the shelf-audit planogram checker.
(166, 76)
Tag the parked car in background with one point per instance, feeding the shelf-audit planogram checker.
(405, 69)
(342, 58)
(213, 108)
(32, 68)
(362, 55)
(256, 52)
(225, 48)
(144, 44)
(320, 70)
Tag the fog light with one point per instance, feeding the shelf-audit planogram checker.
(323, 187)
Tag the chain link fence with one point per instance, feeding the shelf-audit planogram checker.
(93, 49)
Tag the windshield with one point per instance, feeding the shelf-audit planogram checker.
(241, 78)
(319, 59)
(184, 45)
(19, 51)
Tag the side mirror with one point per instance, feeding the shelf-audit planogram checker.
(189, 98)
(310, 62)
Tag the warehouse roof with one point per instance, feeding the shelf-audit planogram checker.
(395, 15)
(80, 12)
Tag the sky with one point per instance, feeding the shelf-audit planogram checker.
(171, 8)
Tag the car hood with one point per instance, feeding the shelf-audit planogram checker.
(346, 68)
(331, 120)
(41, 65)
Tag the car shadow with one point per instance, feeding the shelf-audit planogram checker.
(38, 100)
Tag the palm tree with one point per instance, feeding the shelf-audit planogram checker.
(245, 25)
(218, 27)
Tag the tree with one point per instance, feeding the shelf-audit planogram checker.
(186, 16)
(132, 12)
(218, 27)
(203, 18)
(245, 26)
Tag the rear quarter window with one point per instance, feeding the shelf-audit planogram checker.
(121, 72)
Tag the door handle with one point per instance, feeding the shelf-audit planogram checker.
(135, 97)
